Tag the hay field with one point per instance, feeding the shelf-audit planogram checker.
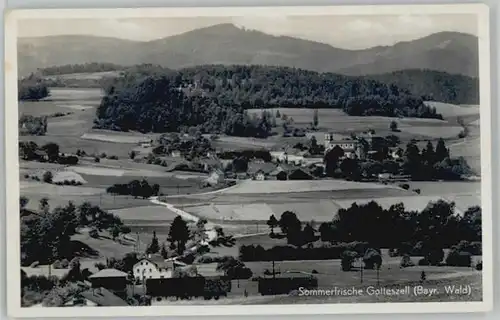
(319, 210)
(86, 75)
(288, 186)
(452, 110)
(67, 130)
(151, 213)
(116, 137)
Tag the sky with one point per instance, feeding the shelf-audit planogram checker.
(349, 32)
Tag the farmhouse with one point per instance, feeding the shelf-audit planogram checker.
(260, 171)
(281, 172)
(99, 297)
(350, 147)
(153, 267)
(216, 177)
(111, 279)
(175, 154)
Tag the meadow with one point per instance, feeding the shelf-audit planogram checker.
(242, 209)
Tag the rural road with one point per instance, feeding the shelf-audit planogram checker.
(210, 227)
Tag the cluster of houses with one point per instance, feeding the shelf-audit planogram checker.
(109, 287)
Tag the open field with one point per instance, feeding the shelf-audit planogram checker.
(63, 94)
(451, 110)
(253, 186)
(336, 121)
(85, 76)
(152, 213)
(116, 137)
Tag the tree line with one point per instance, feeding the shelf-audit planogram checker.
(46, 234)
(135, 188)
(32, 125)
(430, 163)
(434, 85)
(214, 98)
(30, 151)
(32, 88)
(80, 68)
(422, 233)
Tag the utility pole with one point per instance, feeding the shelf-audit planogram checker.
(378, 275)
(274, 272)
(361, 271)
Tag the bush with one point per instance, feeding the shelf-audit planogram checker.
(47, 177)
(423, 262)
(435, 256)
(281, 253)
(393, 252)
(96, 159)
(64, 263)
(459, 258)
(405, 186)
(100, 266)
(406, 262)
(113, 158)
(479, 266)
(372, 259)
(57, 264)
(314, 271)
(417, 191)
(348, 258)
(103, 155)
(93, 233)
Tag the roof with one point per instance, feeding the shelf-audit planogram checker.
(266, 167)
(304, 170)
(160, 262)
(178, 164)
(108, 273)
(43, 270)
(103, 297)
(283, 167)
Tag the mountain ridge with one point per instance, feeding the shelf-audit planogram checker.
(452, 52)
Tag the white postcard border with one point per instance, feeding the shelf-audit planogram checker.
(12, 175)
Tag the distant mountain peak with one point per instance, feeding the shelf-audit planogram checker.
(229, 43)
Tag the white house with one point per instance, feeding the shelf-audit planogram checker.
(175, 154)
(153, 268)
(215, 177)
(350, 146)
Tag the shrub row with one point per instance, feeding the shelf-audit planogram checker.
(281, 253)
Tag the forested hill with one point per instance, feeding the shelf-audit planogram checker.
(452, 52)
(434, 85)
(214, 98)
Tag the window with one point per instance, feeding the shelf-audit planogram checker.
(150, 270)
(142, 263)
(138, 270)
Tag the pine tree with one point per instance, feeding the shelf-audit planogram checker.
(272, 223)
(315, 118)
(441, 151)
(428, 153)
(154, 246)
(178, 234)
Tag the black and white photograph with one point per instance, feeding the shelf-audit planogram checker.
(225, 160)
